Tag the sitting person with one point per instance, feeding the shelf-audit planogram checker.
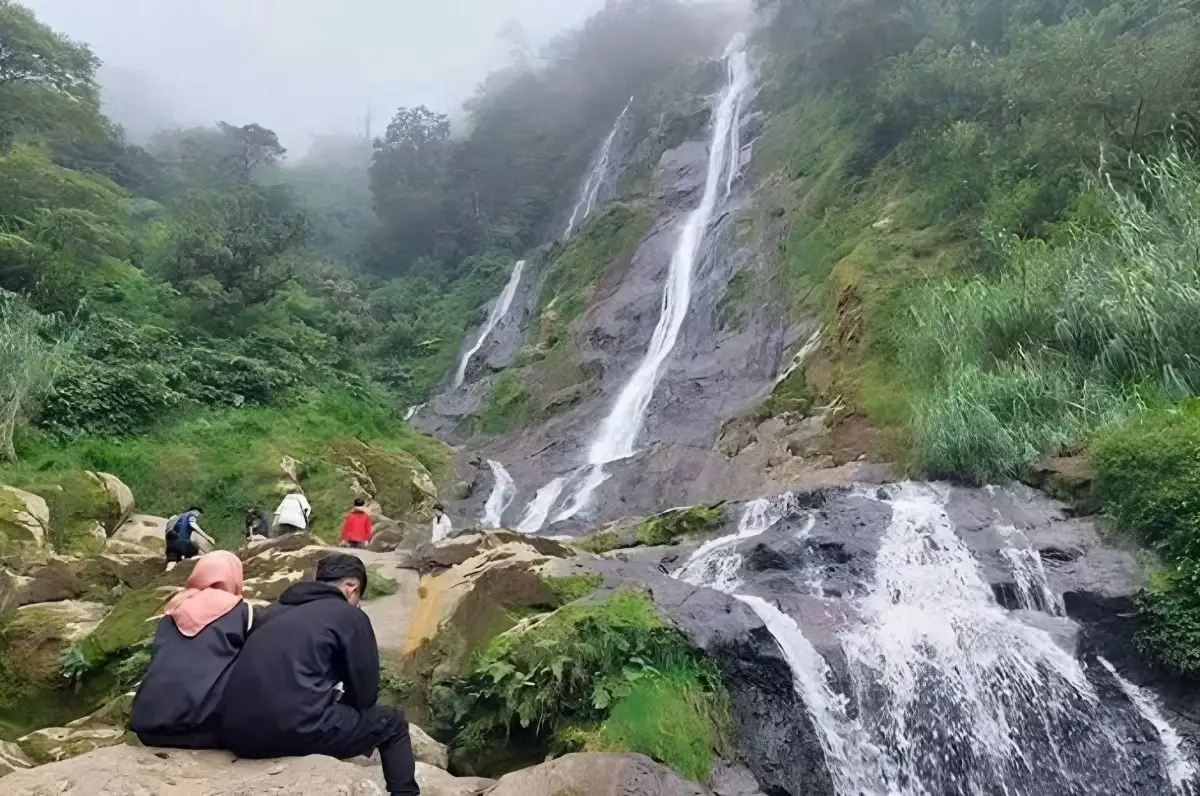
(178, 537)
(256, 525)
(201, 632)
(282, 698)
(356, 527)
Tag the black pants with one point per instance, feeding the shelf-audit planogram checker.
(353, 733)
(179, 549)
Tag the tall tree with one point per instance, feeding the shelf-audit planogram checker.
(251, 147)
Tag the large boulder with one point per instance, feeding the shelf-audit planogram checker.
(585, 774)
(24, 520)
(125, 770)
(32, 645)
(426, 750)
(53, 744)
(12, 758)
(120, 501)
(96, 577)
(145, 530)
(436, 782)
(399, 483)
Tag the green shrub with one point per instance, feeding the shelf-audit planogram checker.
(570, 669)
(601, 542)
(793, 394)
(671, 526)
(1170, 608)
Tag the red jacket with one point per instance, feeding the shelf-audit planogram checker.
(357, 526)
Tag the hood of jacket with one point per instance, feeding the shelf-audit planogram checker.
(310, 592)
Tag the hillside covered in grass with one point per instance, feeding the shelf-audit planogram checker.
(991, 206)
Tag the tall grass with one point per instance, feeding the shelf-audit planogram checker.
(1065, 339)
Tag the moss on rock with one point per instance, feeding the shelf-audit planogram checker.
(128, 624)
(20, 526)
(675, 524)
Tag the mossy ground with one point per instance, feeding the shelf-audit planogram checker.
(671, 526)
(569, 588)
(228, 460)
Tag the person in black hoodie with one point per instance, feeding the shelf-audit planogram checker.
(198, 638)
(281, 699)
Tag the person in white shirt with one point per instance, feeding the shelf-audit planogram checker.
(292, 514)
(441, 523)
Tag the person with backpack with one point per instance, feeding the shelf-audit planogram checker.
(292, 514)
(282, 697)
(201, 632)
(356, 527)
(178, 537)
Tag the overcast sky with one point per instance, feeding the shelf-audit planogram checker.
(299, 66)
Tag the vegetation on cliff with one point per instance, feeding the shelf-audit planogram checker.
(991, 207)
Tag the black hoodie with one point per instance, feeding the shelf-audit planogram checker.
(281, 692)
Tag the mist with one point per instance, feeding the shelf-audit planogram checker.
(300, 67)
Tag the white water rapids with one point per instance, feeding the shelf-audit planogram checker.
(595, 179)
(498, 311)
(950, 694)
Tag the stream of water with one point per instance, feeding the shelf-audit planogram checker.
(596, 178)
(498, 311)
(503, 492)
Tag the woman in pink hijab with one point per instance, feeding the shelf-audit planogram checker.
(200, 634)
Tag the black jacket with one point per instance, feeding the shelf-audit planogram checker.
(281, 694)
(177, 705)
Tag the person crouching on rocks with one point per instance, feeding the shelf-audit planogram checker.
(201, 632)
(282, 698)
(356, 527)
(292, 514)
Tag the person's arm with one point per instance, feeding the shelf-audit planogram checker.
(196, 529)
(361, 663)
(307, 508)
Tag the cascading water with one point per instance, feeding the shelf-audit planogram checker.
(499, 310)
(503, 492)
(716, 563)
(1029, 578)
(1180, 767)
(619, 432)
(950, 693)
(595, 179)
(539, 508)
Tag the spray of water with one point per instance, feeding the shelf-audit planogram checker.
(503, 492)
(1180, 768)
(499, 310)
(596, 178)
(716, 563)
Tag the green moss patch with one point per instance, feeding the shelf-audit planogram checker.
(378, 585)
(509, 405)
(573, 669)
(671, 526)
(129, 624)
(569, 588)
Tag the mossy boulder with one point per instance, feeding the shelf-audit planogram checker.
(674, 524)
(99, 578)
(53, 744)
(32, 644)
(131, 622)
(85, 509)
(24, 521)
(614, 535)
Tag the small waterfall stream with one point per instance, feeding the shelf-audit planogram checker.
(595, 179)
(498, 311)
(950, 694)
(503, 492)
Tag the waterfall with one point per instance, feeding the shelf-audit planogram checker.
(498, 311)
(950, 693)
(1029, 578)
(412, 410)
(595, 179)
(503, 492)
(1180, 768)
(535, 514)
(620, 429)
(716, 563)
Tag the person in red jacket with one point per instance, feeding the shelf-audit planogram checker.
(356, 528)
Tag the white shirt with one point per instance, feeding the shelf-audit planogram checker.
(293, 511)
(441, 527)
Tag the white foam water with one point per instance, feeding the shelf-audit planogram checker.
(539, 508)
(412, 410)
(596, 178)
(498, 311)
(503, 492)
(716, 563)
(1032, 587)
(1180, 768)
(619, 431)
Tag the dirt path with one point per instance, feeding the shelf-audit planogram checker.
(390, 615)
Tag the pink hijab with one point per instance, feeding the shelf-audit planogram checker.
(213, 589)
